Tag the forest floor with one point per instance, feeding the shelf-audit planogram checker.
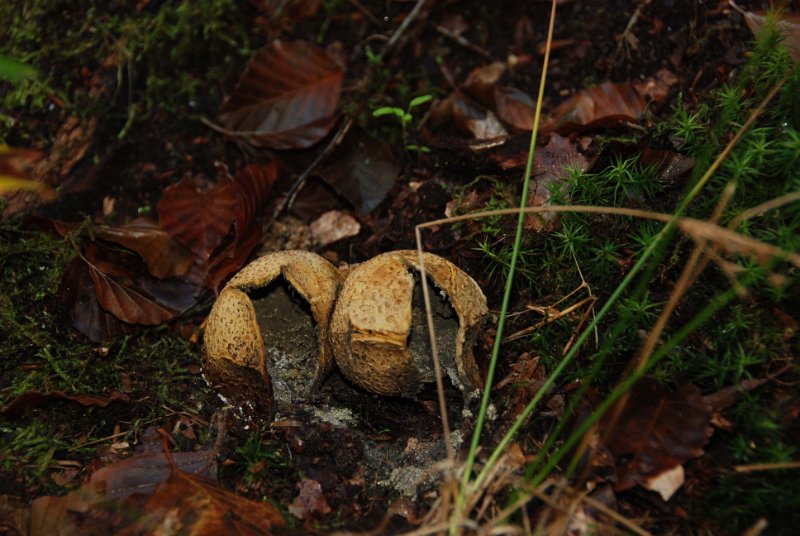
(172, 143)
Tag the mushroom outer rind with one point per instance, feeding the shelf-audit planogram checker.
(233, 354)
(467, 300)
(313, 277)
(373, 316)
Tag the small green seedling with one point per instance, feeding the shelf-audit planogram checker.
(405, 118)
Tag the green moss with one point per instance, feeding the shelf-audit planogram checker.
(158, 370)
(166, 54)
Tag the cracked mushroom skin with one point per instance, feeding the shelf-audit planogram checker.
(376, 329)
(235, 357)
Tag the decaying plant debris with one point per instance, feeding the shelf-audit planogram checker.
(182, 137)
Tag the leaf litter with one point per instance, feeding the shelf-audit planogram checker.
(146, 273)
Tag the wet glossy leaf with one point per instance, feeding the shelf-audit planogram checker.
(362, 171)
(253, 185)
(127, 303)
(197, 217)
(232, 259)
(164, 256)
(78, 294)
(607, 105)
(656, 432)
(287, 98)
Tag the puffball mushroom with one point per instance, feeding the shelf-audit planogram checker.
(379, 330)
(267, 333)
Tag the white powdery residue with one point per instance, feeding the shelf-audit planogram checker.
(339, 417)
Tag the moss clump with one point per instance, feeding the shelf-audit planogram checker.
(172, 57)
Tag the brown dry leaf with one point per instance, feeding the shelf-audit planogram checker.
(125, 302)
(199, 218)
(116, 501)
(164, 256)
(142, 473)
(227, 261)
(200, 506)
(656, 432)
(70, 515)
(286, 99)
(788, 24)
(107, 290)
(310, 502)
(552, 165)
(482, 81)
(15, 515)
(362, 170)
(471, 117)
(78, 294)
(657, 87)
(515, 108)
(607, 105)
(35, 399)
(253, 185)
(670, 165)
(333, 226)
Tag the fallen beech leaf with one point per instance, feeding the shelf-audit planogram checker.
(164, 256)
(311, 500)
(15, 514)
(201, 506)
(670, 165)
(253, 185)
(78, 294)
(147, 495)
(788, 24)
(35, 399)
(362, 171)
(127, 303)
(142, 473)
(515, 108)
(607, 105)
(552, 165)
(482, 81)
(286, 99)
(315, 199)
(657, 87)
(471, 117)
(333, 226)
(57, 515)
(225, 262)
(655, 432)
(199, 218)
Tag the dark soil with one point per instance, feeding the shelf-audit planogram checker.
(365, 451)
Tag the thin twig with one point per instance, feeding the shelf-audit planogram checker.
(464, 42)
(766, 467)
(402, 28)
(300, 181)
